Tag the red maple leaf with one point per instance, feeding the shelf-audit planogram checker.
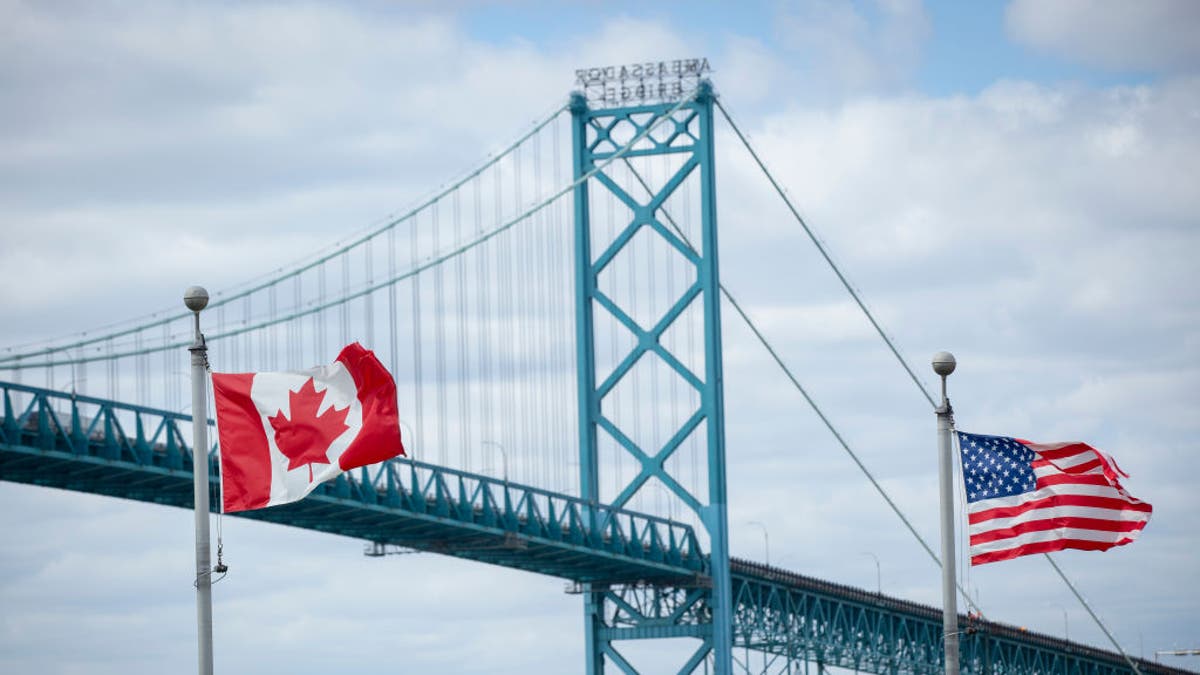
(307, 436)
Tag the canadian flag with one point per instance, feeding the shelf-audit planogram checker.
(283, 434)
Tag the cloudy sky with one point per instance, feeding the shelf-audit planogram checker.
(1012, 181)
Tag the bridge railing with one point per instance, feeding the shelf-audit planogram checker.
(135, 437)
(95, 427)
(801, 618)
(468, 497)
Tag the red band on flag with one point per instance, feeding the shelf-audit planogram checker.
(1112, 503)
(379, 438)
(1063, 523)
(246, 481)
(1072, 479)
(1047, 547)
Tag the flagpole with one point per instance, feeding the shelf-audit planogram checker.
(943, 365)
(196, 299)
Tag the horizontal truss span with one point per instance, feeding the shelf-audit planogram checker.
(103, 447)
(801, 618)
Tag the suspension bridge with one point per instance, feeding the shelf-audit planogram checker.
(553, 321)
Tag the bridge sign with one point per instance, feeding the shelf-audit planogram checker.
(638, 83)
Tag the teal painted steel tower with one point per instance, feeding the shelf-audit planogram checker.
(606, 140)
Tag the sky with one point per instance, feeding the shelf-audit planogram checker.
(1011, 181)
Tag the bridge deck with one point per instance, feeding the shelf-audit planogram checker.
(78, 443)
(809, 619)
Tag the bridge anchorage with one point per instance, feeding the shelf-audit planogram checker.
(645, 433)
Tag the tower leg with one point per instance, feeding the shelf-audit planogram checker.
(682, 130)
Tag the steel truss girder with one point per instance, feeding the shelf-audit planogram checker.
(787, 617)
(783, 620)
(80, 443)
(685, 130)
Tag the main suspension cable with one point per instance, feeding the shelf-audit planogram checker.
(807, 398)
(895, 352)
(389, 224)
(825, 254)
(430, 262)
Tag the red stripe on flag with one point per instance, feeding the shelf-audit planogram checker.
(379, 438)
(1058, 452)
(1076, 522)
(1065, 451)
(245, 456)
(1083, 467)
(1114, 503)
(1071, 479)
(1047, 547)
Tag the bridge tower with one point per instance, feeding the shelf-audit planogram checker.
(680, 133)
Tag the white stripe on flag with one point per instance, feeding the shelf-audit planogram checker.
(1065, 489)
(1051, 535)
(1060, 512)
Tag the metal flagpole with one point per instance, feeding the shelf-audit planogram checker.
(196, 299)
(943, 365)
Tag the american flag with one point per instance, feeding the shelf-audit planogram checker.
(1025, 498)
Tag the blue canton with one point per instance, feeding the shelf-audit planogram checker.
(995, 466)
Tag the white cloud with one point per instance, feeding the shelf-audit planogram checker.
(1045, 234)
(847, 47)
(1147, 36)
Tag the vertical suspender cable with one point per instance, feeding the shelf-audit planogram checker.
(83, 366)
(344, 307)
(272, 334)
(633, 251)
(463, 378)
(439, 334)
(520, 320)
(418, 388)
(652, 288)
(139, 375)
(538, 317)
(369, 299)
(672, 344)
(112, 372)
(261, 357)
(541, 390)
(232, 353)
(498, 399)
(559, 337)
(533, 277)
(504, 311)
(615, 395)
(319, 317)
(168, 373)
(290, 334)
(392, 344)
(550, 422)
(690, 196)
(296, 351)
(484, 289)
